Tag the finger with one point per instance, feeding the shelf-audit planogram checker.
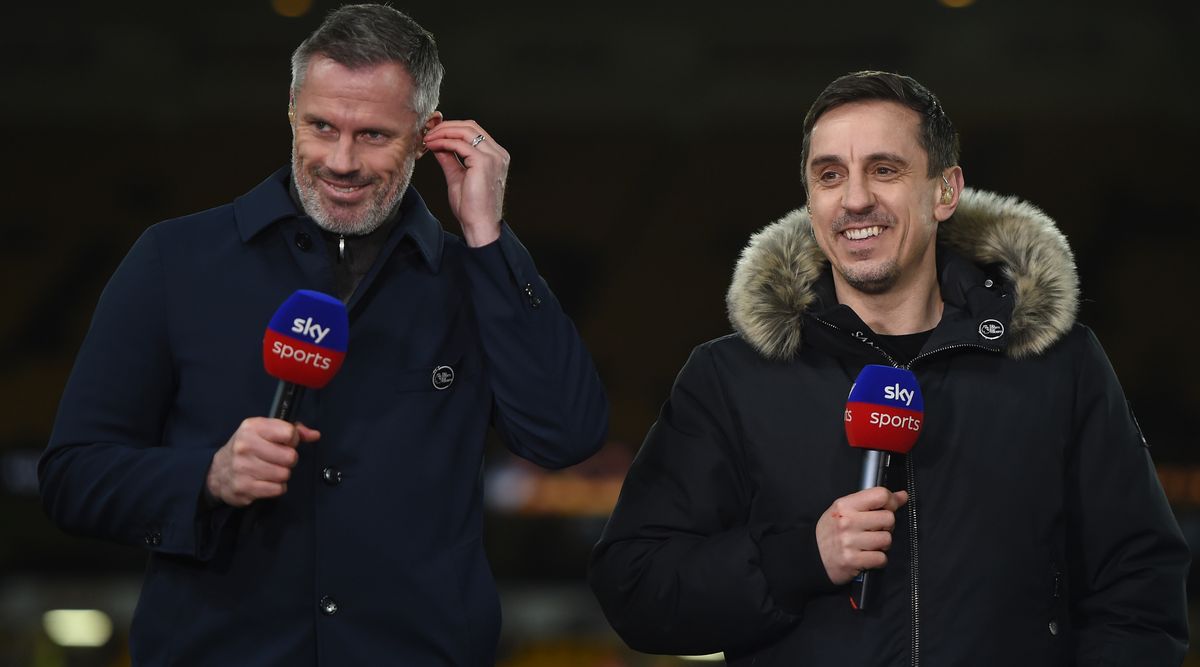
(464, 129)
(870, 560)
(274, 454)
(260, 489)
(472, 136)
(247, 490)
(451, 167)
(876, 520)
(261, 471)
(900, 499)
(462, 148)
(272, 430)
(874, 540)
(863, 501)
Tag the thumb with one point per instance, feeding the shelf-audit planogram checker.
(307, 434)
(898, 500)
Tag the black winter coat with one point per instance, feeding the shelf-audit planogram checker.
(1036, 531)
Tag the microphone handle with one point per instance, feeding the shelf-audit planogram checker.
(287, 395)
(874, 473)
(874, 469)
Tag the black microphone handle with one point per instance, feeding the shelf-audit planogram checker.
(874, 473)
(287, 395)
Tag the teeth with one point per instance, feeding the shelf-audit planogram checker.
(346, 189)
(866, 232)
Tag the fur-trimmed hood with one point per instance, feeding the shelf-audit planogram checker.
(774, 283)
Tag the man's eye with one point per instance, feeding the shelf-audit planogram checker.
(320, 126)
(373, 136)
(828, 175)
(884, 171)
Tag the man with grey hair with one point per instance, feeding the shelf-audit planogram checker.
(266, 546)
(1026, 527)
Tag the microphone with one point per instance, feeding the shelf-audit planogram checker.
(304, 346)
(883, 417)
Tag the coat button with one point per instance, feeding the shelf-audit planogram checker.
(153, 537)
(988, 283)
(303, 241)
(1053, 628)
(332, 476)
(534, 301)
(329, 606)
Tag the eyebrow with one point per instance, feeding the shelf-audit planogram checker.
(824, 160)
(887, 157)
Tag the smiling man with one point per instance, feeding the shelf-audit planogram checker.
(1026, 527)
(353, 538)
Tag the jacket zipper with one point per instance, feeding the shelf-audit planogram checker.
(910, 474)
(914, 644)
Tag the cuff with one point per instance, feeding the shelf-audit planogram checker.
(791, 563)
(504, 271)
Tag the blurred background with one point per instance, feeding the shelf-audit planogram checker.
(649, 141)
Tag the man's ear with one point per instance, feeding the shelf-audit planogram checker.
(433, 121)
(950, 187)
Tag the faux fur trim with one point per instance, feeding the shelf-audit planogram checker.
(773, 282)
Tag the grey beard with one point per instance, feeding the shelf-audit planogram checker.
(376, 213)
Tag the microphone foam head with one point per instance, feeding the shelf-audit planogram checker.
(885, 410)
(305, 342)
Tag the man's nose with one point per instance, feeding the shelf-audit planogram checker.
(857, 197)
(344, 158)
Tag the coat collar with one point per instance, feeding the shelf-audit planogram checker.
(269, 202)
(783, 277)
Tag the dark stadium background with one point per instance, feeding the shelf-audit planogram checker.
(649, 140)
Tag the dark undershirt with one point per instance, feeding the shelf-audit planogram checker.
(352, 255)
(904, 347)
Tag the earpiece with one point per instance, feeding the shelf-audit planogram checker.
(947, 191)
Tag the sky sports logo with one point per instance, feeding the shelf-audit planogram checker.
(305, 342)
(307, 327)
(885, 409)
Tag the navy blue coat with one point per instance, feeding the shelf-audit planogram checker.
(373, 556)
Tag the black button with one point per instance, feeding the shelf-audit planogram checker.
(329, 606)
(534, 301)
(303, 241)
(332, 476)
(153, 537)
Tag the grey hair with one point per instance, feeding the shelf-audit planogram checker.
(363, 35)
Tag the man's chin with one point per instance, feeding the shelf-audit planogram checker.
(344, 220)
(347, 227)
(872, 282)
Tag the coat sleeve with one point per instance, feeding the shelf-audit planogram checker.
(678, 569)
(1128, 559)
(106, 472)
(550, 406)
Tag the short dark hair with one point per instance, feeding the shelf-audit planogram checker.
(363, 35)
(937, 135)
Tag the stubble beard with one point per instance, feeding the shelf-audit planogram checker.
(871, 280)
(360, 220)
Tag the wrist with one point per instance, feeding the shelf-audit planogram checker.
(479, 235)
